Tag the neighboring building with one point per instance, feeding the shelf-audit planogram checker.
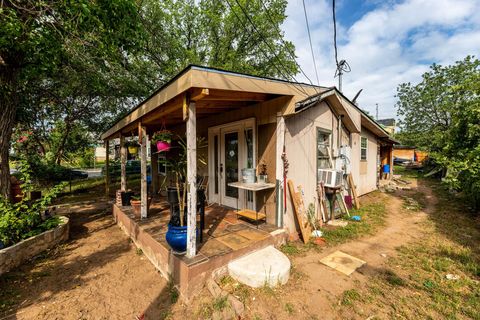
(249, 120)
(388, 124)
(409, 153)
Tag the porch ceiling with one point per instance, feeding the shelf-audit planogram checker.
(208, 102)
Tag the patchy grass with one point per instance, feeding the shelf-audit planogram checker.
(372, 216)
(349, 297)
(437, 277)
(289, 308)
(235, 288)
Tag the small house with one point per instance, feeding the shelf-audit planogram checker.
(251, 125)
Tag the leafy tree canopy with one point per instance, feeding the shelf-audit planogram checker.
(441, 114)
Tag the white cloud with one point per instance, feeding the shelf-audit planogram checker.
(393, 43)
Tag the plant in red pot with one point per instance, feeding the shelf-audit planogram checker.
(163, 140)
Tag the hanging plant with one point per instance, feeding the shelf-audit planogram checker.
(163, 140)
(132, 147)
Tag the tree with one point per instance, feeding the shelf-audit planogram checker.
(441, 114)
(216, 34)
(40, 38)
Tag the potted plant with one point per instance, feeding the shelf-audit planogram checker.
(262, 172)
(163, 140)
(177, 196)
(136, 205)
(132, 147)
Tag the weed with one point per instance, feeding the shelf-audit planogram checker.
(172, 290)
(290, 249)
(220, 303)
(139, 252)
(349, 297)
(289, 308)
(257, 317)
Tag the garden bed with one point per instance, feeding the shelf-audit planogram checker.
(18, 253)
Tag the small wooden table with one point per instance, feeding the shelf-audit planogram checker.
(254, 187)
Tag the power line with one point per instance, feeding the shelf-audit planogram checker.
(292, 54)
(268, 45)
(310, 39)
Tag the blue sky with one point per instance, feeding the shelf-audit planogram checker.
(385, 42)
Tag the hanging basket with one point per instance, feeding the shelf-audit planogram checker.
(163, 146)
(133, 150)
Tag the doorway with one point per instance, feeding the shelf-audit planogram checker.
(231, 147)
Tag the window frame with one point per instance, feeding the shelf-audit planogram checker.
(323, 131)
(362, 158)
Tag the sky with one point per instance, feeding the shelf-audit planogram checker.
(384, 42)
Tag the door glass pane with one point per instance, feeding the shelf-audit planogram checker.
(231, 163)
(215, 156)
(249, 144)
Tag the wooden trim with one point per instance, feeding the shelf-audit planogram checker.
(198, 94)
(123, 164)
(192, 180)
(143, 168)
(107, 167)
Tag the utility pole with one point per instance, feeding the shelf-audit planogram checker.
(376, 114)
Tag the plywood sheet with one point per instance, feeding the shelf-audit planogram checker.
(342, 262)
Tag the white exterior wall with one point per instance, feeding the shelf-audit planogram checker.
(301, 150)
(367, 170)
(300, 143)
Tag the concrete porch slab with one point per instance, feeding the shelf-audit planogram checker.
(267, 266)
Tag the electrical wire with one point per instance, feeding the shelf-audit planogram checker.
(292, 54)
(301, 90)
(310, 39)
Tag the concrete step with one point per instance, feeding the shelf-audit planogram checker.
(267, 266)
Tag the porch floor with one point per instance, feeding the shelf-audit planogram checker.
(225, 238)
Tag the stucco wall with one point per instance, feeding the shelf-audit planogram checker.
(367, 169)
(300, 144)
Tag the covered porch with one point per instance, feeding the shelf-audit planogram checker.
(241, 119)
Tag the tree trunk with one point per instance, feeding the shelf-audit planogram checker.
(8, 107)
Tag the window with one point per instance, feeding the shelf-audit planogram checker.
(162, 168)
(363, 148)
(323, 149)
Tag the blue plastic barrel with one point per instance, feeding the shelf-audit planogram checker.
(386, 168)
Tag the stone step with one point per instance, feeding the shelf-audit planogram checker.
(265, 267)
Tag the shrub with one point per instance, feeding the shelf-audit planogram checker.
(25, 219)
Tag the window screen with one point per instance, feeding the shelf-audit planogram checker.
(323, 147)
(363, 148)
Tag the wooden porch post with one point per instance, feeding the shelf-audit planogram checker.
(143, 167)
(191, 180)
(154, 170)
(107, 167)
(280, 135)
(123, 164)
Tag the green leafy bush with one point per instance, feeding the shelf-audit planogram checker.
(24, 219)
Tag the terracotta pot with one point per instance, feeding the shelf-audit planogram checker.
(132, 149)
(163, 146)
(137, 207)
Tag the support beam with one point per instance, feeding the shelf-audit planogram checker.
(143, 168)
(279, 174)
(107, 167)
(123, 164)
(154, 170)
(191, 180)
(198, 94)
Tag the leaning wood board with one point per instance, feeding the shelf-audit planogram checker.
(299, 209)
(354, 191)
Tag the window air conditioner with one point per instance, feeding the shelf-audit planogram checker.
(330, 178)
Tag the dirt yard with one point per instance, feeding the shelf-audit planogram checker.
(411, 241)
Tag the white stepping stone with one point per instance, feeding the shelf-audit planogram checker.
(265, 267)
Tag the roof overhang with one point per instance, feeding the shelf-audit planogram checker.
(339, 105)
(172, 96)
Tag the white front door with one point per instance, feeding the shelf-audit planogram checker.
(231, 148)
